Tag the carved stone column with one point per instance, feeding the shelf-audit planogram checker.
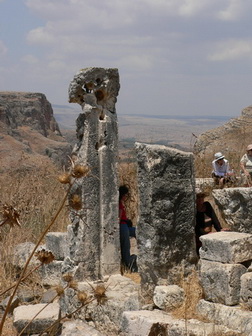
(94, 233)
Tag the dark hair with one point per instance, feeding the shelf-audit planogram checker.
(123, 190)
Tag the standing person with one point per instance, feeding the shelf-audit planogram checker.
(221, 170)
(126, 231)
(206, 218)
(246, 164)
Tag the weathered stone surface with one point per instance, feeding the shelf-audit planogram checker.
(235, 205)
(151, 323)
(79, 328)
(165, 230)
(51, 273)
(56, 242)
(15, 302)
(226, 247)
(231, 317)
(221, 282)
(28, 126)
(168, 297)
(21, 254)
(227, 136)
(246, 290)
(94, 233)
(27, 109)
(45, 318)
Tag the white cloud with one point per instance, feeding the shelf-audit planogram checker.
(41, 35)
(232, 12)
(232, 50)
(3, 48)
(30, 59)
(136, 62)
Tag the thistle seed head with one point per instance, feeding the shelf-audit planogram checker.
(75, 202)
(10, 216)
(65, 178)
(45, 257)
(82, 296)
(80, 171)
(67, 277)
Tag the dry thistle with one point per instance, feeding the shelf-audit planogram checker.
(82, 297)
(99, 293)
(45, 257)
(75, 202)
(10, 216)
(73, 284)
(79, 171)
(67, 277)
(65, 178)
(60, 290)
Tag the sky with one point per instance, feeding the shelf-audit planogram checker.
(175, 57)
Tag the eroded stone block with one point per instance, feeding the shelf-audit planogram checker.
(226, 247)
(45, 318)
(246, 290)
(221, 282)
(168, 297)
(56, 242)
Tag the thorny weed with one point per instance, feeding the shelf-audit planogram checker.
(76, 172)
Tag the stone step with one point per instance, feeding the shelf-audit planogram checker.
(157, 322)
(232, 317)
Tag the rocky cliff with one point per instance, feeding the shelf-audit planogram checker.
(234, 136)
(28, 127)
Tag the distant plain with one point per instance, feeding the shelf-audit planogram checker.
(175, 131)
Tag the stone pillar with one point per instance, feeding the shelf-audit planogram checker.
(94, 233)
(165, 231)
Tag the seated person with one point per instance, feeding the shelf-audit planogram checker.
(246, 164)
(206, 218)
(126, 231)
(221, 170)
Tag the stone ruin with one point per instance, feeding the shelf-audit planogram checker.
(165, 236)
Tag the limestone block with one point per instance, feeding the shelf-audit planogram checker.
(221, 282)
(246, 290)
(56, 242)
(231, 317)
(165, 230)
(51, 273)
(79, 328)
(235, 205)
(168, 297)
(21, 254)
(226, 247)
(142, 323)
(45, 318)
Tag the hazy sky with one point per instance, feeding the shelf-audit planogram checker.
(175, 57)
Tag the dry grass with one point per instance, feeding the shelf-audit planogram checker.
(35, 193)
(193, 293)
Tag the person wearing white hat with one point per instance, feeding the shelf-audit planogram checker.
(246, 164)
(221, 169)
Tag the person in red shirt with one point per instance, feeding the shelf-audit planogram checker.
(126, 231)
